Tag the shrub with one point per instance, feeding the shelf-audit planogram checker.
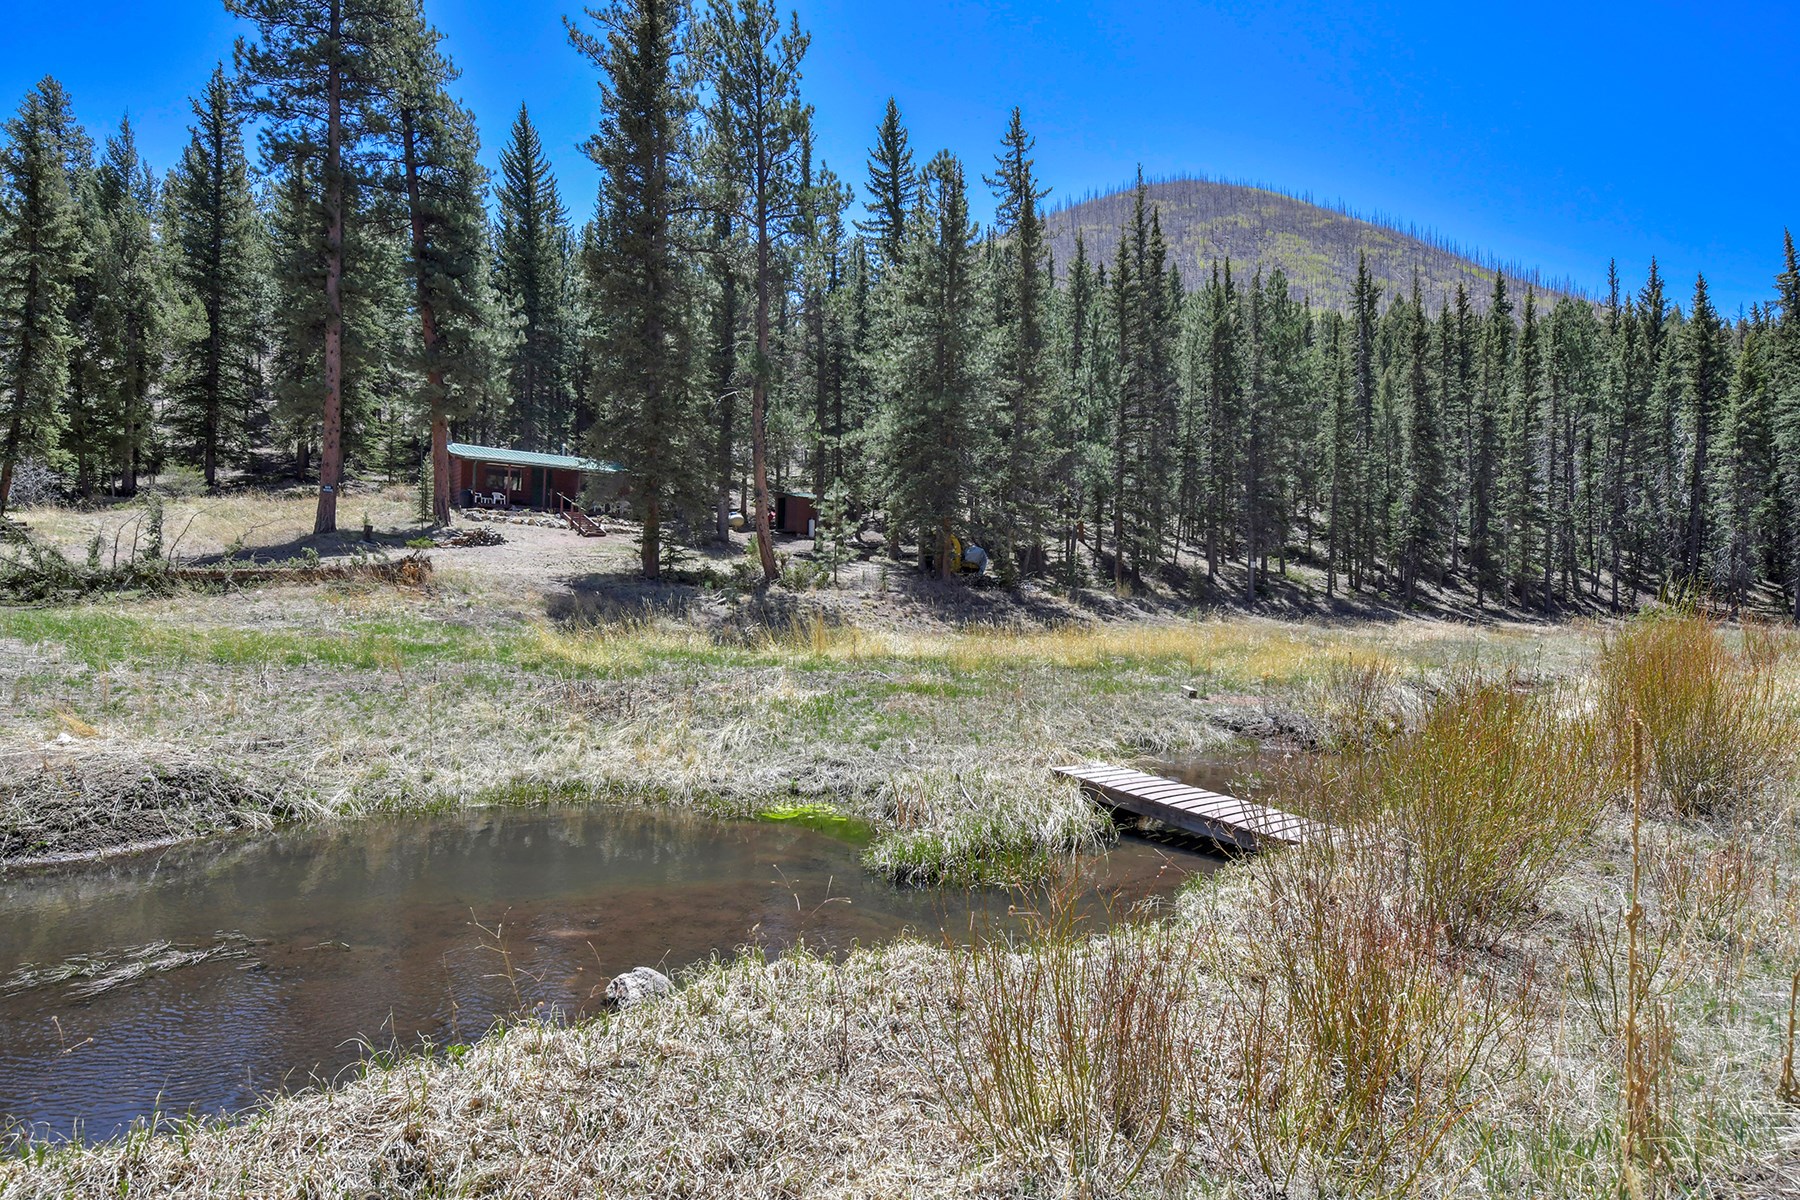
(800, 576)
(1359, 1045)
(1481, 800)
(35, 484)
(1359, 703)
(1490, 793)
(180, 481)
(1717, 729)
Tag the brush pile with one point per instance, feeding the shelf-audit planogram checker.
(105, 799)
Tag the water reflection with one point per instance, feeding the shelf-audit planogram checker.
(384, 933)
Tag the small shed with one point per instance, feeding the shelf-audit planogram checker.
(526, 478)
(796, 513)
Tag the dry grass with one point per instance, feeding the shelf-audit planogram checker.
(789, 1078)
(1719, 728)
(1443, 1011)
(1070, 1053)
(1243, 652)
(96, 797)
(1362, 1044)
(211, 525)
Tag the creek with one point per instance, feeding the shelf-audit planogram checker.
(202, 977)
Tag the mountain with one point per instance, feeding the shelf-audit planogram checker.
(1206, 221)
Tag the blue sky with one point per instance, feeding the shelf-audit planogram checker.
(1557, 135)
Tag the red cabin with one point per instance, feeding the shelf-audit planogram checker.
(496, 477)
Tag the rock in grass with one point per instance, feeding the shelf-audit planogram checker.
(638, 985)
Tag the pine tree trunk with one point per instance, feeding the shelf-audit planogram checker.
(331, 446)
(759, 393)
(651, 558)
(9, 453)
(215, 301)
(428, 333)
(722, 382)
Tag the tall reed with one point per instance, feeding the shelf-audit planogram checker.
(1481, 801)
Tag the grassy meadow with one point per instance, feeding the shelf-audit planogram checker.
(1554, 952)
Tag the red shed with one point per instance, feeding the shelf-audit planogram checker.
(796, 513)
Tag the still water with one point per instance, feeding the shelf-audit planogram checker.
(202, 977)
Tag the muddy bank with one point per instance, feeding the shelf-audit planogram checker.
(67, 806)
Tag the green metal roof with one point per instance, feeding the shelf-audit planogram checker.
(530, 458)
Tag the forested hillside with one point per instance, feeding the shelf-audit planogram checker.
(734, 316)
(1317, 247)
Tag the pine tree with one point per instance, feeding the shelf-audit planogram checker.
(759, 131)
(1339, 431)
(1219, 468)
(1083, 444)
(1486, 545)
(320, 79)
(651, 422)
(1523, 480)
(1369, 461)
(297, 315)
(931, 376)
(835, 546)
(1618, 419)
(724, 320)
(41, 253)
(1661, 504)
(1421, 497)
(893, 189)
(1786, 381)
(532, 261)
(1704, 394)
(1293, 378)
(218, 262)
(1146, 399)
(1259, 435)
(1023, 374)
(133, 309)
(442, 187)
(1747, 526)
(86, 422)
(1456, 407)
(1575, 428)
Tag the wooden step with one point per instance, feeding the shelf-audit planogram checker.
(583, 524)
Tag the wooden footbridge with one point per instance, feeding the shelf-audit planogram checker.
(1224, 819)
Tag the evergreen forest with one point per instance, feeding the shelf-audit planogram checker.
(328, 284)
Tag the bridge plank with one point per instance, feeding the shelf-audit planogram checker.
(1197, 810)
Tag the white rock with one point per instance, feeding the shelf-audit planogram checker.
(638, 985)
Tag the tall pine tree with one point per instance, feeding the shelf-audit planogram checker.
(1024, 377)
(218, 254)
(532, 260)
(932, 378)
(41, 254)
(651, 418)
(320, 79)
